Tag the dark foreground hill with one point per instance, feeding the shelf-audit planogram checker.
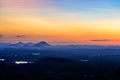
(56, 68)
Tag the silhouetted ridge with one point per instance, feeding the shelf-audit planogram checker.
(42, 44)
(19, 44)
(29, 44)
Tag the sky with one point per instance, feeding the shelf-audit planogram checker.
(91, 22)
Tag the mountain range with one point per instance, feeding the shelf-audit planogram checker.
(43, 44)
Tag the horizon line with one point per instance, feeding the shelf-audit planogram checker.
(59, 44)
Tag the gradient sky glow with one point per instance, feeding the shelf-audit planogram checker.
(60, 21)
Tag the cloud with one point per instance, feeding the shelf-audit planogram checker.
(101, 40)
(20, 36)
(1, 35)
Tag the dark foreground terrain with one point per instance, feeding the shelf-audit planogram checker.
(61, 63)
(53, 68)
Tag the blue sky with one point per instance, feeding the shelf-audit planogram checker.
(85, 5)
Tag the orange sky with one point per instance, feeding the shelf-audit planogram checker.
(54, 30)
(57, 27)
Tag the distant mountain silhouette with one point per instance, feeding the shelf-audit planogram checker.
(30, 44)
(19, 44)
(42, 44)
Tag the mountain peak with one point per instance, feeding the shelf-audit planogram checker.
(20, 43)
(42, 44)
(30, 44)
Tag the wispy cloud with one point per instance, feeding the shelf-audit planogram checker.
(1, 35)
(100, 40)
(20, 36)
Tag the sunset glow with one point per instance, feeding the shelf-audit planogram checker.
(60, 21)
